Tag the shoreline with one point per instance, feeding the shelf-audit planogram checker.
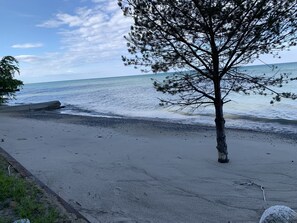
(130, 170)
(275, 125)
(55, 115)
(248, 122)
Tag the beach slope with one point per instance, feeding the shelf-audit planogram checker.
(121, 170)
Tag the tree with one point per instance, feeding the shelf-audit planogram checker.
(204, 42)
(8, 85)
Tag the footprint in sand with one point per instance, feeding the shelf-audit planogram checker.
(117, 191)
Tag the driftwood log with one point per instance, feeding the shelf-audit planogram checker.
(50, 105)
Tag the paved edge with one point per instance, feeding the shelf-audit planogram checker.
(27, 174)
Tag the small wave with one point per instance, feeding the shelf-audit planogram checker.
(76, 110)
(262, 119)
(233, 121)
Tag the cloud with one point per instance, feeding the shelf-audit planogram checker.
(98, 1)
(91, 42)
(27, 45)
(27, 58)
(91, 33)
(50, 24)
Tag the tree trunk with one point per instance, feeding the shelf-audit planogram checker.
(220, 126)
(218, 102)
(221, 136)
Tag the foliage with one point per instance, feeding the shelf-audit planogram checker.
(210, 39)
(204, 42)
(21, 199)
(8, 85)
(25, 198)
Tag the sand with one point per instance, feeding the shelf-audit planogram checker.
(121, 170)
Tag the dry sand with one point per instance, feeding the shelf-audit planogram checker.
(114, 170)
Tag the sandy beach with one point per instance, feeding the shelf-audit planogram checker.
(125, 170)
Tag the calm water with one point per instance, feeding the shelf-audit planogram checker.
(135, 96)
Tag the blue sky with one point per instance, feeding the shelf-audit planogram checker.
(71, 39)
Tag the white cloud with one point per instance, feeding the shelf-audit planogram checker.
(91, 45)
(50, 24)
(27, 45)
(27, 58)
(98, 1)
(91, 34)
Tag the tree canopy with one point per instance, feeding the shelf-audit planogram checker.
(204, 42)
(8, 84)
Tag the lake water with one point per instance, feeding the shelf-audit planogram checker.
(134, 96)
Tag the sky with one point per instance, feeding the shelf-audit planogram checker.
(71, 39)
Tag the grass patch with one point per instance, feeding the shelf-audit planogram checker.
(20, 198)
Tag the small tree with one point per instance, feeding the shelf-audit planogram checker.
(204, 42)
(8, 85)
